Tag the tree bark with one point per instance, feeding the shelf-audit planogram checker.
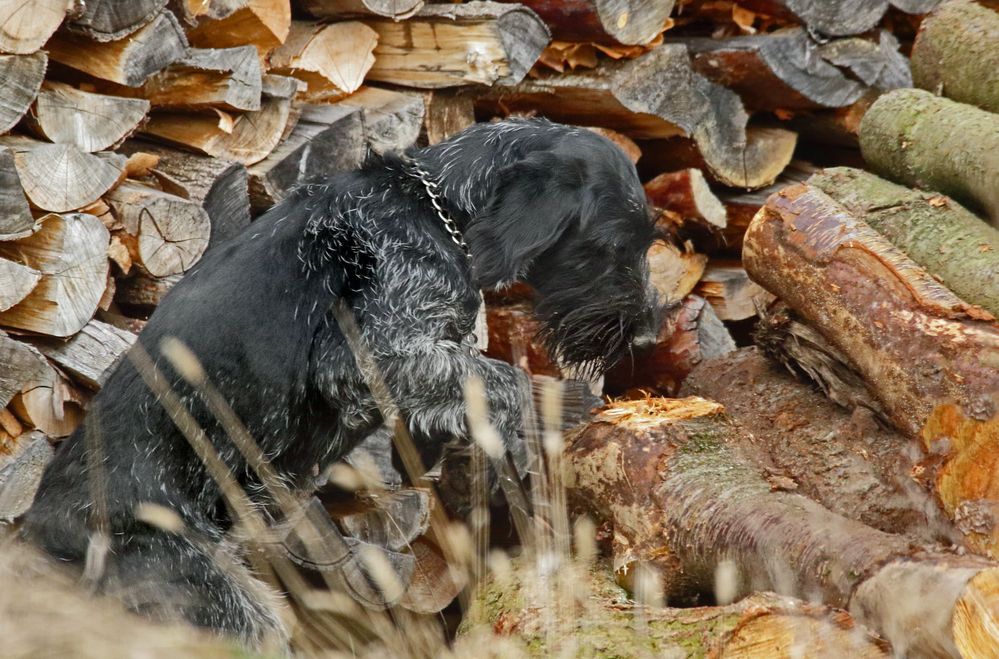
(629, 22)
(170, 233)
(955, 54)
(91, 122)
(916, 138)
(952, 244)
(453, 45)
(60, 177)
(331, 59)
(128, 61)
(25, 27)
(675, 480)
(658, 96)
(20, 79)
(601, 619)
(830, 267)
(845, 461)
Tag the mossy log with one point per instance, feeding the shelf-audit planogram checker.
(955, 53)
(604, 621)
(930, 359)
(951, 243)
(916, 138)
(676, 480)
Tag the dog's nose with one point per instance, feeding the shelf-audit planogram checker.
(644, 342)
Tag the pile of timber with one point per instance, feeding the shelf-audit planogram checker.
(134, 136)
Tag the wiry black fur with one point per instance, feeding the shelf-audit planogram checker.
(557, 207)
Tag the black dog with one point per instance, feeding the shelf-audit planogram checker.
(557, 207)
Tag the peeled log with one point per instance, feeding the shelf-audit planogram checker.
(916, 138)
(955, 54)
(20, 79)
(331, 59)
(650, 467)
(658, 96)
(111, 20)
(60, 177)
(450, 45)
(630, 22)
(128, 61)
(886, 314)
(220, 186)
(26, 26)
(845, 461)
(601, 619)
(951, 243)
(91, 122)
(171, 233)
(71, 253)
(394, 9)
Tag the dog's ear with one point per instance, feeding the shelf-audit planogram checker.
(533, 202)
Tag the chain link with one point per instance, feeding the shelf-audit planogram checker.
(431, 187)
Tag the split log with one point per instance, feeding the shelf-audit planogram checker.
(651, 467)
(50, 404)
(691, 334)
(335, 138)
(835, 18)
(687, 194)
(220, 186)
(60, 177)
(20, 79)
(22, 365)
(828, 265)
(513, 338)
(393, 520)
(446, 113)
(433, 585)
(629, 22)
(845, 461)
(395, 9)
(226, 23)
(128, 61)
(143, 292)
(450, 45)
(788, 70)
(951, 243)
(955, 54)
(111, 20)
(16, 282)
(89, 355)
(249, 139)
(916, 138)
(170, 233)
(16, 220)
(603, 619)
(91, 122)
(331, 59)
(730, 291)
(658, 96)
(70, 251)
(227, 78)
(22, 463)
(26, 26)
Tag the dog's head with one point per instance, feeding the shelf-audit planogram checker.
(571, 220)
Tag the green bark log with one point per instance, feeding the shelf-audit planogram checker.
(952, 243)
(916, 138)
(956, 54)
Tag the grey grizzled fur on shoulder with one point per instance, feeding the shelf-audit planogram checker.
(557, 207)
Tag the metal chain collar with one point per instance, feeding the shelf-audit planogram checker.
(431, 186)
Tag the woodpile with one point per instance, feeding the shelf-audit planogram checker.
(811, 201)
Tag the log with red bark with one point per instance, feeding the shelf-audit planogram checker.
(450, 45)
(916, 138)
(928, 358)
(655, 97)
(679, 485)
(955, 55)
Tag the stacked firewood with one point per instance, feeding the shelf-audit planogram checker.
(135, 135)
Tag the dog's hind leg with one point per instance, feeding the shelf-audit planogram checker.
(169, 577)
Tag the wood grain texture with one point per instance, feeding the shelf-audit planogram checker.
(91, 122)
(20, 79)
